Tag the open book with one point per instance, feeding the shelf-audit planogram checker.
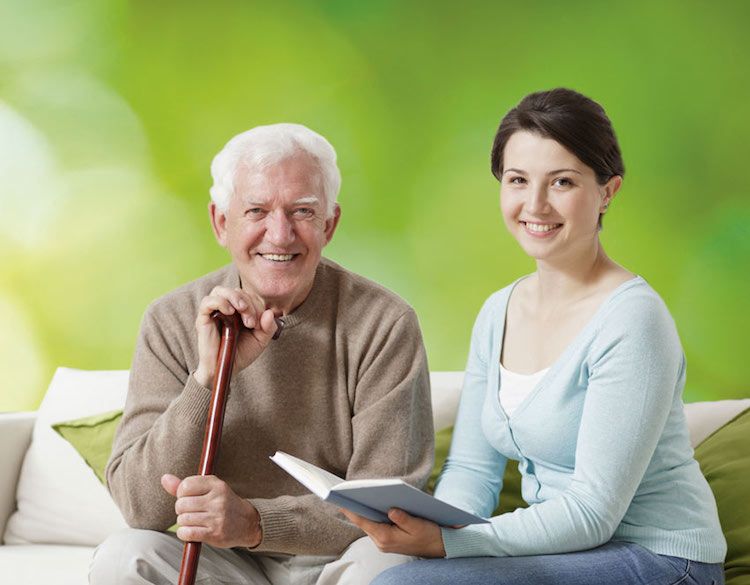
(372, 498)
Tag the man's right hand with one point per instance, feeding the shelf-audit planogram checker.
(250, 344)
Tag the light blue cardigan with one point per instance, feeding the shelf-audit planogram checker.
(602, 442)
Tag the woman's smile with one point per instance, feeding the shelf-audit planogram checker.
(540, 230)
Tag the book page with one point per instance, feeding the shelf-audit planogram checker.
(317, 480)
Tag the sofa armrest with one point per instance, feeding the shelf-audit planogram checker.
(15, 436)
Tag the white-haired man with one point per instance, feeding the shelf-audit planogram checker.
(346, 387)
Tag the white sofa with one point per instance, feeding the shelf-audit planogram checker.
(53, 510)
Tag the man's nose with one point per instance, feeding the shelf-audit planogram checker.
(279, 228)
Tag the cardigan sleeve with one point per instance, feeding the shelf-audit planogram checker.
(635, 364)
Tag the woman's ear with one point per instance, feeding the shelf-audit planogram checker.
(609, 190)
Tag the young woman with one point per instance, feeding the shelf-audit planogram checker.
(577, 372)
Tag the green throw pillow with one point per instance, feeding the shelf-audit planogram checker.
(510, 496)
(92, 437)
(724, 458)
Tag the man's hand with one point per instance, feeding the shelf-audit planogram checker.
(209, 511)
(408, 535)
(250, 344)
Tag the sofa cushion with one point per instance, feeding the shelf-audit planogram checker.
(39, 563)
(724, 458)
(59, 500)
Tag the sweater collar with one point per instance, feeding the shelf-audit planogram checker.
(308, 306)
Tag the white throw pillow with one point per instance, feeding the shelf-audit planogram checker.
(703, 418)
(446, 393)
(60, 500)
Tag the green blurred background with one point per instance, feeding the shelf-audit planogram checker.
(111, 111)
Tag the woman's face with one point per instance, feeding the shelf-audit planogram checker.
(550, 200)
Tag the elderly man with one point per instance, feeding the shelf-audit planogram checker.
(345, 387)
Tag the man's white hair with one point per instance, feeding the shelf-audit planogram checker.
(263, 146)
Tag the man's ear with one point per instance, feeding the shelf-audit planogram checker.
(218, 223)
(332, 222)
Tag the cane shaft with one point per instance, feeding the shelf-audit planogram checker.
(214, 422)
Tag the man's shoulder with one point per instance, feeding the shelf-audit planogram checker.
(186, 298)
(357, 292)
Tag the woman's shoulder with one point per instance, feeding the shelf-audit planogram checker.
(634, 297)
(635, 308)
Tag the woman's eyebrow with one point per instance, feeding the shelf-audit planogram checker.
(564, 171)
(520, 172)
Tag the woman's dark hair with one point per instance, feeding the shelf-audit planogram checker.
(570, 118)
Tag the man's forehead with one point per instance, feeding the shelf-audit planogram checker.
(294, 174)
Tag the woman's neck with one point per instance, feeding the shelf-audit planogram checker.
(571, 280)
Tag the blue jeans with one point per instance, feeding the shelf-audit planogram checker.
(615, 563)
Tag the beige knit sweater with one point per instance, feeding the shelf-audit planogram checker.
(345, 387)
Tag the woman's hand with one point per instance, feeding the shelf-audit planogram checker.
(407, 536)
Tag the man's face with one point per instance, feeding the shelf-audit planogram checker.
(275, 229)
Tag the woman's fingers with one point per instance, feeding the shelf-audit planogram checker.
(407, 535)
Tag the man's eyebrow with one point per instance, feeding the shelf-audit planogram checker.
(310, 199)
(306, 200)
(556, 171)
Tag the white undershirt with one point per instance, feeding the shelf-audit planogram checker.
(514, 388)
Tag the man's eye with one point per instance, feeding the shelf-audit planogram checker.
(254, 211)
(304, 212)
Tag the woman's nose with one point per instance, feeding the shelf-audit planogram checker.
(537, 201)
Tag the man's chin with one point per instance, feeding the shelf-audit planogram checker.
(279, 296)
(282, 287)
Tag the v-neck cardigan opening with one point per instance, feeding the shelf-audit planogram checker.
(578, 340)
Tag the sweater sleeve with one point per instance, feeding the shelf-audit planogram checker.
(472, 475)
(634, 365)
(392, 436)
(162, 426)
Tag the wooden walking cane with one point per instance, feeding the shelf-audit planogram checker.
(230, 326)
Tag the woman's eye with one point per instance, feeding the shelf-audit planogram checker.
(563, 182)
(517, 180)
